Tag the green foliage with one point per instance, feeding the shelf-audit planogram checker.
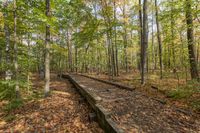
(185, 92)
(14, 104)
(196, 104)
(7, 90)
(9, 118)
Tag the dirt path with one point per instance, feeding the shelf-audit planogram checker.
(135, 112)
(59, 113)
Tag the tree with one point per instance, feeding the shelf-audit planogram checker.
(159, 40)
(144, 40)
(190, 38)
(47, 51)
(16, 50)
(7, 40)
(69, 46)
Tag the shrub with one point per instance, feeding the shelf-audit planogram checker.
(186, 91)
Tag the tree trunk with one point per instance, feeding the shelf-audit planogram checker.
(152, 41)
(115, 38)
(198, 53)
(1, 61)
(47, 52)
(173, 37)
(16, 51)
(76, 59)
(190, 38)
(144, 41)
(125, 38)
(69, 52)
(159, 40)
(140, 34)
(28, 73)
(8, 73)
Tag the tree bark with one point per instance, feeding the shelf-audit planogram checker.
(140, 38)
(8, 73)
(47, 51)
(198, 53)
(115, 40)
(173, 37)
(190, 38)
(69, 51)
(159, 40)
(76, 59)
(144, 41)
(152, 41)
(125, 38)
(16, 51)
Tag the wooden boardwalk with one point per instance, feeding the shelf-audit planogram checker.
(120, 109)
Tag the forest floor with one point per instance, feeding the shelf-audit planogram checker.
(174, 91)
(134, 112)
(61, 112)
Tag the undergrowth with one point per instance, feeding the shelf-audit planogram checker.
(189, 92)
(7, 93)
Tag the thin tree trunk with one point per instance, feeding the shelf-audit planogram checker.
(152, 41)
(159, 40)
(76, 59)
(190, 38)
(97, 40)
(173, 37)
(69, 52)
(8, 73)
(198, 52)
(115, 37)
(16, 51)
(141, 34)
(28, 73)
(47, 52)
(1, 61)
(125, 38)
(144, 41)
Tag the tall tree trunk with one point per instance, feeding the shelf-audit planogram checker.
(173, 37)
(109, 38)
(144, 41)
(47, 51)
(112, 56)
(1, 61)
(140, 34)
(8, 73)
(76, 59)
(159, 40)
(97, 41)
(190, 38)
(125, 38)
(109, 55)
(115, 40)
(29, 50)
(198, 52)
(16, 50)
(69, 51)
(152, 40)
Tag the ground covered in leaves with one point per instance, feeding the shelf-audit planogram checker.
(134, 111)
(59, 113)
(181, 91)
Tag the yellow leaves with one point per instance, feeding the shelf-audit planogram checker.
(1, 19)
(126, 20)
(59, 49)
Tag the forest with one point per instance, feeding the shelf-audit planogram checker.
(56, 56)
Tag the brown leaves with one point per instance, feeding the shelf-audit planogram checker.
(61, 112)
